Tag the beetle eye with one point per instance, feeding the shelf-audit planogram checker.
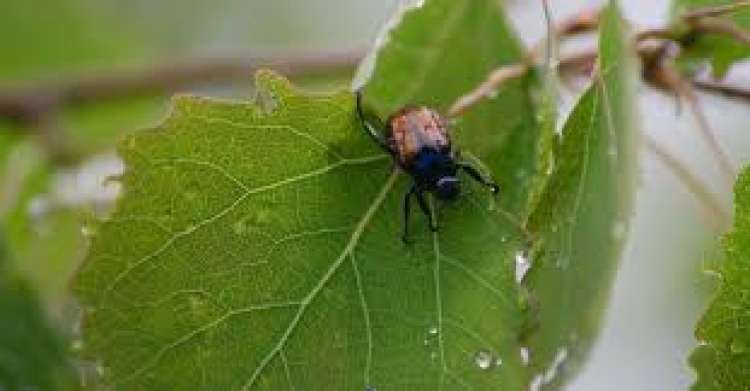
(448, 188)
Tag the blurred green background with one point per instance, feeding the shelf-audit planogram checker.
(47, 202)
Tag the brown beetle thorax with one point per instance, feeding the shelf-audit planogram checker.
(414, 128)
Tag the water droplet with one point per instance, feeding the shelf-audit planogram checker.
(493, 94)
(498, 362)
(523, 265)
(433, 330)
(483, 359)
(433, 356)
(525, 356)
(738, 346)
(503, 239)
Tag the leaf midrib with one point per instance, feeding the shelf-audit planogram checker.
(345, 254)
(248, 192)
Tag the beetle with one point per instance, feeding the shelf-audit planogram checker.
(418, 139)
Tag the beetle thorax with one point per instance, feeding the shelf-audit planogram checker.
(414, 129)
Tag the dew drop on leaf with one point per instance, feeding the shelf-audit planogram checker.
(525, 355)
(483, 359)
(523, 264)
(498, 362)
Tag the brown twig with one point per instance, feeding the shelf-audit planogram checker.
(581, 23)
(489, 87)
(721, 27)
(722, 89)
(714, 11)
(719, 216)
(659, 71)
(27, 104)
(656, 33)
(709, 134)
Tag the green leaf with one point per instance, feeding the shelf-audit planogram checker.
(723, 358)
(259, 247)
(435, 68)
(582, 217)
(43, 235)
(32, 356)
(720, 50)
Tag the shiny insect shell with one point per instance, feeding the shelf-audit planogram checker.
(419, 141)
(412, 129)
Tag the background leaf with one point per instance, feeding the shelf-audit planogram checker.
(723, 358)
(423, 65)
(719, 50)
(32, 356)
(262, 252)
(583, 215)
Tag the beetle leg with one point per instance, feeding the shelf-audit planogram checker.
(426, 210)
(374, 134)
(407, 209)
(469, 169)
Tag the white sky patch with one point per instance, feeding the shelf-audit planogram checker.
(86, 185)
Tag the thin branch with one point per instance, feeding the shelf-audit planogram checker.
(709, 135)
(716, 213)
(580, 23)
(722, 89)
(661, 73)
(721, 27)
(488, 88)
(583, 22)
(552, 40)
(714, 11)
(28, 103)
(656, 33)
